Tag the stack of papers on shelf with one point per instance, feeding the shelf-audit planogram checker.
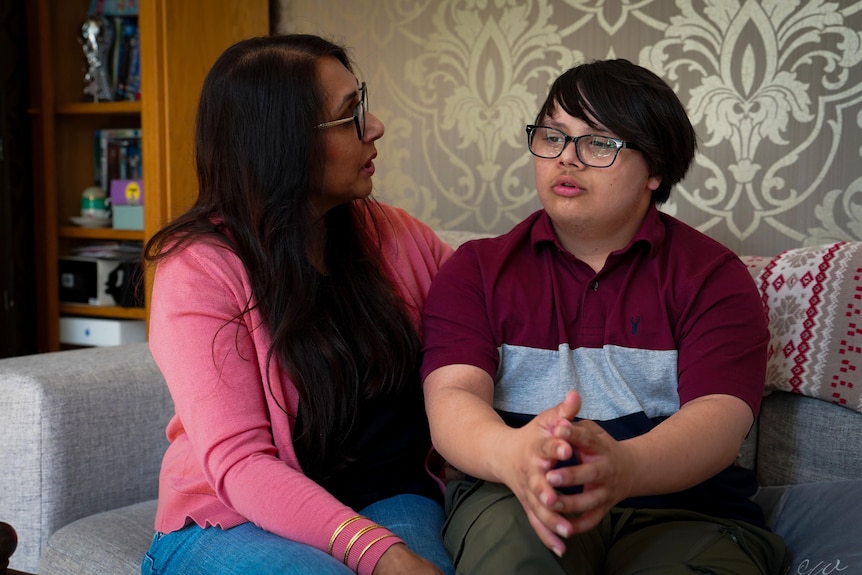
(111, 250)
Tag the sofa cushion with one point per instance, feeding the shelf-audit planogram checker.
(820, 523)
(83, 432)
(109, 542)
(801, 439)
(813, 297)
(457, 237)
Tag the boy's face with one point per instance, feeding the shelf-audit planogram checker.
(596, 204)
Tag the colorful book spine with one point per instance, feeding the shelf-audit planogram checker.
(117, 156)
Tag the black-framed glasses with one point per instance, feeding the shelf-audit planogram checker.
(358, 117)
(592, 150)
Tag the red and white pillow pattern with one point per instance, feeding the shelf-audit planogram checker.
(813, 297)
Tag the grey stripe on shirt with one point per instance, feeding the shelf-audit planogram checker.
(613, 381)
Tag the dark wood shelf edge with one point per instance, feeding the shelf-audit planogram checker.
(130, 108)
(95, 108)
(114, 312)
(101, 233)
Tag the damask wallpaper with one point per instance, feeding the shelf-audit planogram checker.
(773, 88)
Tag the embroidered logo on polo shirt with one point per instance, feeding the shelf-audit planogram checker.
(636, 320)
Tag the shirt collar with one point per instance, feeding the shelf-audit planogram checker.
(651, 232)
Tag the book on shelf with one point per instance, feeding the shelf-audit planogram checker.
(123, 65)
(113, 7)
(131, 88)
(117, 156)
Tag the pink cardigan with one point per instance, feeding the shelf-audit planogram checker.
(231, 457)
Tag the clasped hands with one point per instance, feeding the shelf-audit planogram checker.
(605, 471)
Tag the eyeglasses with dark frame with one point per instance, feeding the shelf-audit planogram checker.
(591, 149)
(358, 117)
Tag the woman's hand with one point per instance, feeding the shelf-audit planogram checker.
(399, 560)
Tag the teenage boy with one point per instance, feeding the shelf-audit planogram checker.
(594, 371)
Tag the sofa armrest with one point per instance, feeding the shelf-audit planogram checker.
(82, 432)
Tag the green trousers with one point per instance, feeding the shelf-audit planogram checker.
(487, 532)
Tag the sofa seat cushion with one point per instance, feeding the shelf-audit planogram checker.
(813, 297)
(820, 523)
(111, 542)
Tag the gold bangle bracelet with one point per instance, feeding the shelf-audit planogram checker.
(356, 537)
(340, 528)
(369, 546)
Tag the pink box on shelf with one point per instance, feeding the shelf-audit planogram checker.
(127, 192)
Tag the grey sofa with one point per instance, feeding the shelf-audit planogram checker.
(82, 433)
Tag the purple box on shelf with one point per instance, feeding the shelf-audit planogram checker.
(127, 192)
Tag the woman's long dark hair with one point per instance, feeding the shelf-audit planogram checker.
(255, 148)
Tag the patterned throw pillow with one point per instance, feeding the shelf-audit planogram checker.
(813, 297)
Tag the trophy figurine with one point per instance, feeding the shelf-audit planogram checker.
(97, 35)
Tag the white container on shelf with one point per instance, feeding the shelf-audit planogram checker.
(101, 331)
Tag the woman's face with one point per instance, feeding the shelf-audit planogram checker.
(349, 161)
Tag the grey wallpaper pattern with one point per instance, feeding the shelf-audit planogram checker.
(773, 88)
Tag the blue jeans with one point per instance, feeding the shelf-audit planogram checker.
(246, 549)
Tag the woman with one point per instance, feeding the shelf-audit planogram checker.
(285, 312)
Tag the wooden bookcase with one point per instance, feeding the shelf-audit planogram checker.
(179, 40)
